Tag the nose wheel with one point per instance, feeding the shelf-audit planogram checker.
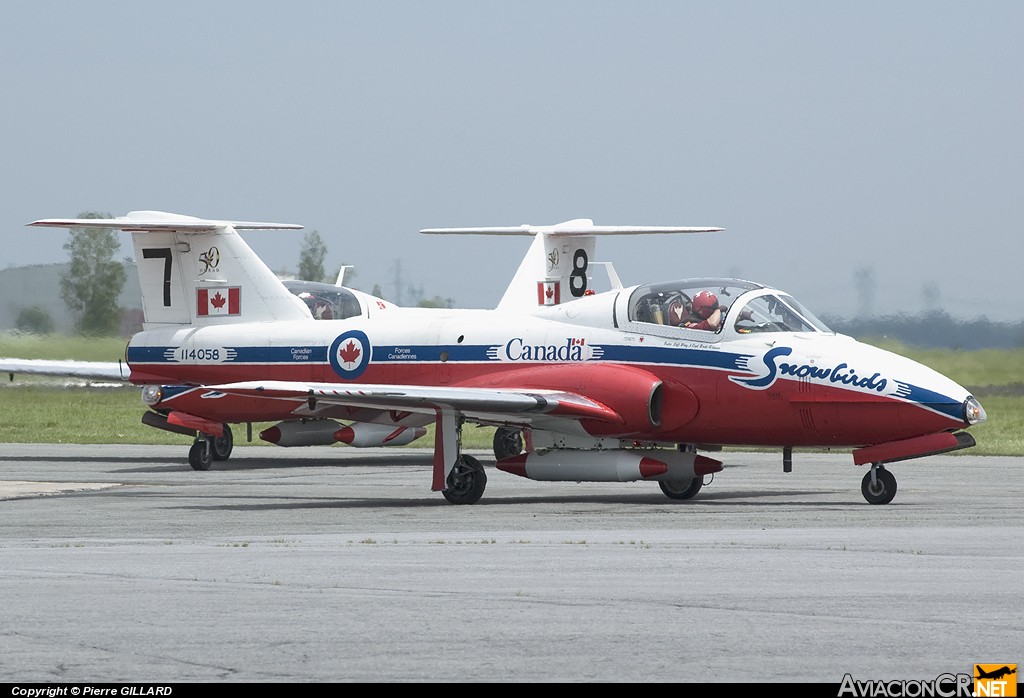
(208, 448)
(200, 456)
(879, 485)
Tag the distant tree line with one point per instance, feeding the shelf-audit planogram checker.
(934, 330)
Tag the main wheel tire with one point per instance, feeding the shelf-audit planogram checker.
(882, 490)
(508, 442)
(199, 456)
(221, 446)
(681, 489)
(466, 482)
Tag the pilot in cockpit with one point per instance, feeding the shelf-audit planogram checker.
(705, 314)
(320, 308)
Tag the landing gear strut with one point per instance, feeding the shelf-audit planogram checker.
(879, 485)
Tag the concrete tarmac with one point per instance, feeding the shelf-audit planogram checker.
(121, 564)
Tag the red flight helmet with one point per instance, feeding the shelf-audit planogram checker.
(704, 304)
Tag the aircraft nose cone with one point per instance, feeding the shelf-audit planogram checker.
(974, 413)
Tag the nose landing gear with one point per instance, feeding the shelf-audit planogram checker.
(879, 485)
(206, 449)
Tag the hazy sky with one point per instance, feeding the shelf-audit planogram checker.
(826, 137)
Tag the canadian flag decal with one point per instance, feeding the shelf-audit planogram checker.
(218, 301)
(548, 293)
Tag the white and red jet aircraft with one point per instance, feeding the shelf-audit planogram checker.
(627, 384)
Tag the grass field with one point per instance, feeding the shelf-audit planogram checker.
(28, 346)
(37, 410)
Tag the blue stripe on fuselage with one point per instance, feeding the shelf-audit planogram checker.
(459, 353)
(673, 356)
(935, 401)
(456, 353)
(243, 355)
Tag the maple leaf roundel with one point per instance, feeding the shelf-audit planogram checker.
(350, 354)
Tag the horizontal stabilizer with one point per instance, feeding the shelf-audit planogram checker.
(146, 221)
(555, 269)
(579, 226)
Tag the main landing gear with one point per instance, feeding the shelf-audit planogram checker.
(681, 489)
(508, 442)
(207, 448)
(466, 482)
(879, 485)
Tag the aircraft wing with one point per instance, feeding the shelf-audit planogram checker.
(104, 370)
(429, 399)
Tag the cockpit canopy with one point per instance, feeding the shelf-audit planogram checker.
(325, 301)
(744, 306)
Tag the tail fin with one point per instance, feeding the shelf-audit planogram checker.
(198, 272)
(555, 268)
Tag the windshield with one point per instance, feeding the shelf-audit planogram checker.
(777, 313)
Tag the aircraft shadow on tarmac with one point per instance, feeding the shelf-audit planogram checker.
(235, 464)
(751, 498)
(710, 496)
